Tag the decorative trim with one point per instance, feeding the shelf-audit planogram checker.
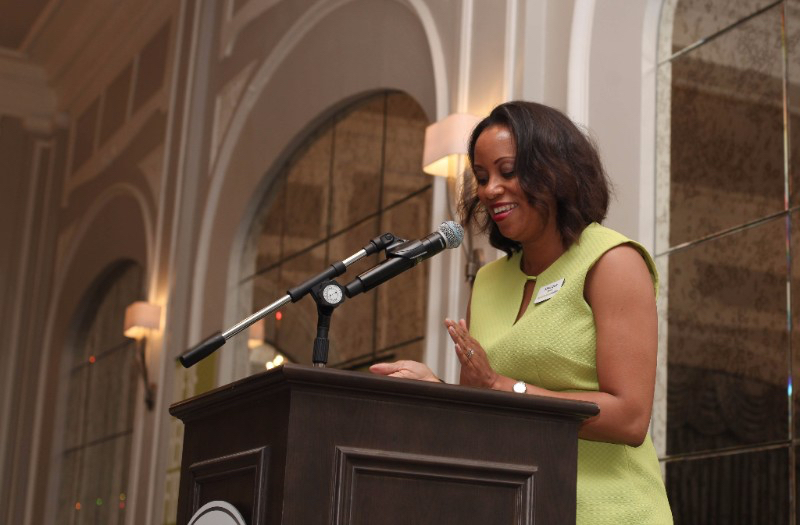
(661, 137)
(24, 91)
(25, 254)
(437, 57)
(218, 513)
(647, 159)
(580, 51)
(510, 59)
(225, 105)
(351, 463)
(234, 23)
(39, 24)
(255, 460)
(62, 263)
(158, 473)
(106, 154)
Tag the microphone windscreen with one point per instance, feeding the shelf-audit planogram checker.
(453, 234)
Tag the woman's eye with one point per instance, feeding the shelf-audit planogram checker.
(508, 174)
(481, 181)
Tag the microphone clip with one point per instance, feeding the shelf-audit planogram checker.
(394, 249)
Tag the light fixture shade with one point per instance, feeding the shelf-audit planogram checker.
(140, 317)
(445, 140)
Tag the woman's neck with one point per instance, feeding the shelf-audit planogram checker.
(538, 255)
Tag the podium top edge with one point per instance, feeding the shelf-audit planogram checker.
(293, 376)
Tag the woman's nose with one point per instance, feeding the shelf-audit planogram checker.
(494, 188)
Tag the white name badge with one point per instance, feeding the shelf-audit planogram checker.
(548, 291)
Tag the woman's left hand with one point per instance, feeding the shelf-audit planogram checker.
(475, 368)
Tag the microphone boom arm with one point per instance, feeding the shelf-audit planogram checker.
(216, 340)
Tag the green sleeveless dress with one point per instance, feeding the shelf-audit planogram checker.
(553, 346)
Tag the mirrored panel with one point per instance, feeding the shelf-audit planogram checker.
(790, 392)
(727, 133)
(793, 96)
(298, 325)
(402, 301)
(357, 163)
(695, 20)
(268, 231)
(748, 488)
(727, 340)
(405, 126)
(305, 199)
(355, 177)
(353, 323)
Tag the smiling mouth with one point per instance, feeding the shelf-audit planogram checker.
(503, 209)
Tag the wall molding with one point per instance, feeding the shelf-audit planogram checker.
(63, 263)
(25, 93)
(580, 51)
(235, 22)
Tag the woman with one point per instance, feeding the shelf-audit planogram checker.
(570, 313)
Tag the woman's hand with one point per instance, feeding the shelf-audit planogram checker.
(475, 368)
(405, 369)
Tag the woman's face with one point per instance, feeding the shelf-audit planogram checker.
(499, 190)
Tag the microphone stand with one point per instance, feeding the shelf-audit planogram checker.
(216, 340)
(328, 296)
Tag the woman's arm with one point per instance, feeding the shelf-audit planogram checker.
(620, 292)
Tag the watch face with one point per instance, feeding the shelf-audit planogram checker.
(332, 294)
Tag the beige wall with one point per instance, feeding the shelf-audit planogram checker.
(149, 130)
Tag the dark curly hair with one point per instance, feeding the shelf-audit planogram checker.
(553, 159)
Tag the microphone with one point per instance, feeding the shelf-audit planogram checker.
(407, 255)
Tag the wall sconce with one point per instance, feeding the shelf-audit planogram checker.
(140, 318)
(446, 144)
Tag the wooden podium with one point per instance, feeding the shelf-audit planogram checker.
(304, 446)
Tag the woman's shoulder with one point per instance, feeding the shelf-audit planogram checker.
(597, 233)
(500, 267)
(616, 248)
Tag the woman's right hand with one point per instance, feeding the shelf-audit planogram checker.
(405, 369)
